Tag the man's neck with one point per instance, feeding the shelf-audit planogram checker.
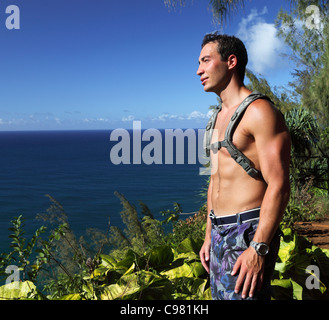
(233, 95)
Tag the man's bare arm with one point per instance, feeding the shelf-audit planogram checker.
(273, 149)
(205, 250)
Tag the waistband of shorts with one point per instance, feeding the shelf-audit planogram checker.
(238, 218)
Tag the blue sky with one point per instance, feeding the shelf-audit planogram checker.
(100, 64)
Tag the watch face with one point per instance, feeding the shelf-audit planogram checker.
(263, 249)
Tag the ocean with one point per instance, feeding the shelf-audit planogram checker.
(77, 169)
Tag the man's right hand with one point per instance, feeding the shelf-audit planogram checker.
(205, 254)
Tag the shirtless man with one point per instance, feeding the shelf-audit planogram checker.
(240, 254)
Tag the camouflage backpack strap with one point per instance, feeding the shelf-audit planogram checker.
(210, 129)
(236, 154)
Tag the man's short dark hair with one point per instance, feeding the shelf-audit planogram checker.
(228, 45)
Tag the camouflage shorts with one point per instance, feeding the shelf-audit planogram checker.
(227, 244)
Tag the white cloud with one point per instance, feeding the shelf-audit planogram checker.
(92, 120)
(166, 116)
(262, 43)
(33, 121)
(199, 115)
(128, 118)
(194, 115)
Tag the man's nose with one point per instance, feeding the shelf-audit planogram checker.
(200, 71)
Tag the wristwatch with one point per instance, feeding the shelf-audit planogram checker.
(261, 248)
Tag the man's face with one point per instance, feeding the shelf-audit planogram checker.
(212, 70)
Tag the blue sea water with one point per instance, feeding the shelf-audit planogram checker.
(75, 168)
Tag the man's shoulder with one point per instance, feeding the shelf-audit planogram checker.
(263, 108)
(262, 115)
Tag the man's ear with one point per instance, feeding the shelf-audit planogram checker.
(232, 61)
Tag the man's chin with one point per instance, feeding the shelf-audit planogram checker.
(208, 89)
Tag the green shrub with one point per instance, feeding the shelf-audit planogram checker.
(167, 268)
(297, 257)
(306, 204)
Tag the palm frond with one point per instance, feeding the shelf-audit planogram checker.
(221, 9)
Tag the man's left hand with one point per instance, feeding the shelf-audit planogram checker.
(251, 267)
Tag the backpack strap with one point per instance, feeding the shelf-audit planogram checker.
(236, 154)
(210, 129)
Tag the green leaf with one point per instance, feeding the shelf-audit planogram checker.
(16, 290)
(182, 271)
(130, 270)
(157, 289)
(287, 245)
(287, 289)
(99, 272)
(197, 268)
(129, 285)
(107, 261)
(112, 292)
(190, 245)
(72, 296)
(129, 259)
(160, 256)
(297, 290)
(197, 288)
(282, 289)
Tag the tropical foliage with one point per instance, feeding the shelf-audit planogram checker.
(301, 271)
(221, 9)
(161, 272)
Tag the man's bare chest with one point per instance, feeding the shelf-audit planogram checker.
(241, 138)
